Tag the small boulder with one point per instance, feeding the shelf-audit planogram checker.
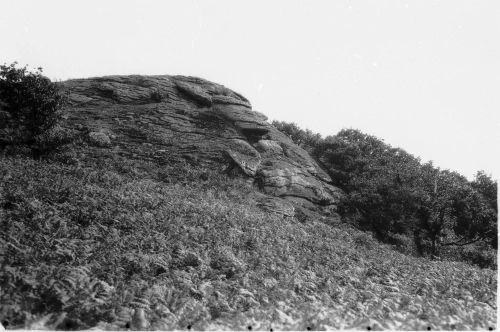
(99, 139)
(247, 164)
(244, 156)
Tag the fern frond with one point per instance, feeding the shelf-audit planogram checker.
(101, 291)
(140, 302)
(123, 316)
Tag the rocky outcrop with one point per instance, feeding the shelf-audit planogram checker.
(175, 117)
(194, 92)
(245, 157)
(276, 205)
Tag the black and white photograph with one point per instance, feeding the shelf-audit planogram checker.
(227, 165)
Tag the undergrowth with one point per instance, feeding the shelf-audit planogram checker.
(89, 244)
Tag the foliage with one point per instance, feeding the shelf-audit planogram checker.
(304, 138)
(31, 107)
(480, 256)
(389, 191)
(487, 187)
(114, 243)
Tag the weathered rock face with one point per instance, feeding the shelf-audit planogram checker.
(170, 117)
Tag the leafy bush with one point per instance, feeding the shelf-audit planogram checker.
(304, 138)
(481, 257)
(364, 240)
(31, 107)
(403, 243)
(390, 192)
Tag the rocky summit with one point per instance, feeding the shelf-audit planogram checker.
(171, 118)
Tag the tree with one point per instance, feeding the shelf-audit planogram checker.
(452, 212)
(340, 158)
(30, 106)
(474, 219)
(487, 187)
(434, 213)
(377, 180)
(303, 138)
(389, 191)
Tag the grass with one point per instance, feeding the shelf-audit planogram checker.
(90, 243)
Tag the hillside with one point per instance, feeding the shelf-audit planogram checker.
(169, 118)
(179, 207)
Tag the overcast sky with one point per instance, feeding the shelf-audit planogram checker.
(422, 75)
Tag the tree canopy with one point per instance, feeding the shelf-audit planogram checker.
(30, 108)
(389, 191)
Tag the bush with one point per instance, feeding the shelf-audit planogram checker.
(403, 244)
(364, 240)
(304, 138)
(30, 105)
(481, 257)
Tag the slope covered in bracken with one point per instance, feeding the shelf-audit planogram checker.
(167, 203)
(117, 243)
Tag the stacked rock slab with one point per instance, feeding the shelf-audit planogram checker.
(165, 117)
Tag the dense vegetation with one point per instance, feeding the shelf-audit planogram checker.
(92, 239)
(30, 111)
(418, 206)
(95, 243)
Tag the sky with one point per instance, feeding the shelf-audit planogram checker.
(422, 75)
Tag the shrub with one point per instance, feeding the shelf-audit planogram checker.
(224, 261)
(364, 240)
(403, 244)
(31, 105)
(480, 257)
(304, 138)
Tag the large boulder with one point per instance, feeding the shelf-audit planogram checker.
(166, 117)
